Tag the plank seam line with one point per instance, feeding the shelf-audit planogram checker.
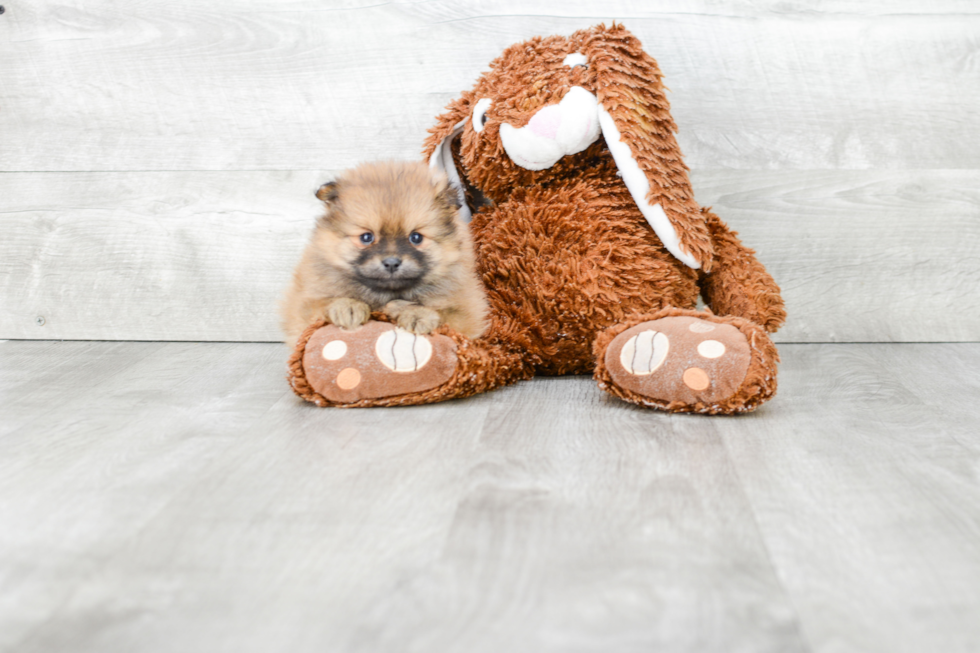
(777, 572)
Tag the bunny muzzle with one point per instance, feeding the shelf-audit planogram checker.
(554, 131)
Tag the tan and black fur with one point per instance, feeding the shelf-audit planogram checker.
(390, 240)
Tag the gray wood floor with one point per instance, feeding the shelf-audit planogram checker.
(177, 497)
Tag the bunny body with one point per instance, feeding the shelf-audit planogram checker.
(586, 272)
(589, 241)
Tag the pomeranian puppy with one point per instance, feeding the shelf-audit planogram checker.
(390, 240)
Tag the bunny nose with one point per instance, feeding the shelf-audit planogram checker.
(546, 122)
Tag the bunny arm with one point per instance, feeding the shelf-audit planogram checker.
(739, 284)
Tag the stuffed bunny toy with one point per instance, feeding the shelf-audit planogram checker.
(590, 244)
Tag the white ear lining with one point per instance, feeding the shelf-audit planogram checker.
(442, 159)
(639, 188)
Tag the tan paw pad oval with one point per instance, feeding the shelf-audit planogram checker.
(645, 352)
(334, 350)
(348, 379)
(711, 349)
(700, 326)
(696, 379)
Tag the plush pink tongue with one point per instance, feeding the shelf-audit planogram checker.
(546, 122)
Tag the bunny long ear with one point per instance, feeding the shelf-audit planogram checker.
(635, 119)
(439, 151)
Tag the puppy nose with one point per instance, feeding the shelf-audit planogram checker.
(392, 263)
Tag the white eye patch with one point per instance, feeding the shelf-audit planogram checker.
(575, 59)
(480, 114)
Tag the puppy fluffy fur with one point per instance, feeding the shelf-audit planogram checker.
(390, 240)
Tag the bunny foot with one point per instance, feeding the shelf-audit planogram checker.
(688, 362)
(375, 361)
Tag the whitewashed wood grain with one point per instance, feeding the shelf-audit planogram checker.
(228, 85)
(558, 544)
(22, 371)
(185, 506)
(96, 453)
(151, 256)
(860, 255)
(872, 512)
(188, 501)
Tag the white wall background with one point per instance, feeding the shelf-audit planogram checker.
(158, 158)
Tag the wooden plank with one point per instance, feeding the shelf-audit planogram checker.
(233, 85)
(99, 451)
(27, 375)
(151, 256)
(191, 502)
(184, 509)
(860, 255)
(584, 524)
(863, 479)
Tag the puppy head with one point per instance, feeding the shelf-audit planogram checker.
(391, 229)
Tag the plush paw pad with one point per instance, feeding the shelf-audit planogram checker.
(680, 359)
(376, 360)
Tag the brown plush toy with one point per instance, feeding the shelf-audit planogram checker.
(589, 241)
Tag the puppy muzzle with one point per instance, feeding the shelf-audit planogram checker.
(391, 274)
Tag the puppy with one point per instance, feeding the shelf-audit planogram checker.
(390, 240)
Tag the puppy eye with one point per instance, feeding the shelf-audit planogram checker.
(480, 114)
(415, 238)
(367, 238)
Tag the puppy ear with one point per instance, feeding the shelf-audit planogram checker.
(635, 119)
(446, 194)
(438, 150)
(327, 193)
(450, 196)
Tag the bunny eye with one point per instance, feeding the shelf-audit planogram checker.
(576, 59)
(480, 114)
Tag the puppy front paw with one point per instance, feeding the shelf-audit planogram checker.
(348, 313)
(418, 319)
